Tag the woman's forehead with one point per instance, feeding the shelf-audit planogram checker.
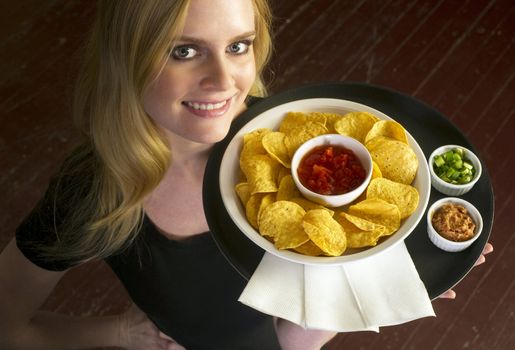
(212, 20)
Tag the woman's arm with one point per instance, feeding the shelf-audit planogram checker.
(23, 289)
(294, 337)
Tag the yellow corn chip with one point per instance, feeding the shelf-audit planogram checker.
(405, 197)
(282, 221)
(325, 232)
(379, 212)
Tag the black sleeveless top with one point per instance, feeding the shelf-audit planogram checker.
(186, 287)
(190, 292)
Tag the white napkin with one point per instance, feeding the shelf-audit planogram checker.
(364, 295)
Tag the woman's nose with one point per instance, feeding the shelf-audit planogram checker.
(218, 74)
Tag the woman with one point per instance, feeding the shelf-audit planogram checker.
(162, 82)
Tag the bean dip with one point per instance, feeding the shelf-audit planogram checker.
(453, 222)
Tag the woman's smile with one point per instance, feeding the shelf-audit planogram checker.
(208, 109)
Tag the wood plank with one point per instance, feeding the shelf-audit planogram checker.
(312, 41)
(497, 100)
(504, 313)
(409, 20)
(462, 72)
(448, 40)
(403, 69)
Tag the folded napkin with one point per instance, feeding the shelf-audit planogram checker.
(364, 295)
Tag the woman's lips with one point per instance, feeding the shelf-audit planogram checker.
(208, 109)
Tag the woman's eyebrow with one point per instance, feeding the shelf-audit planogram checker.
(204, 42)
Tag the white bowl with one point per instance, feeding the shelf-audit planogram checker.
(230, 174)
(448, 188)
(448, 245)
(336, 140)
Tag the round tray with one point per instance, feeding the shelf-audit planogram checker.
(438, 270)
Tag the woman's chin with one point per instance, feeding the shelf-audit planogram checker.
(213, 136)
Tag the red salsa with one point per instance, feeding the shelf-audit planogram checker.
(330, 170)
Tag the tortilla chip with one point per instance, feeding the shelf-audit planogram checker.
(405, 197)
(261, 173)
(242, 189)
(309, 248)
(396, 160)
(308, 205)
(282, 221)
(293, 120)
(273, 143)
(379, 212)
(325, 232)
(287, 189)
(360, 232)
(302, 133)
(387, 128)
(356, 125)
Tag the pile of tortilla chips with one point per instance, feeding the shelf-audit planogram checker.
(276, 208)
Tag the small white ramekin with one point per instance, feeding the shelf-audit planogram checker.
(448, 188)
(338, 140)
(444, 243)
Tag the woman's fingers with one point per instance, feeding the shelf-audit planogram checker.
(171, 344)
(164, 336)
(486, 250)
(480, 260)
(450, 294)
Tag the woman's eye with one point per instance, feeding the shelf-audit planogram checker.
(184, 52)
(239, 47)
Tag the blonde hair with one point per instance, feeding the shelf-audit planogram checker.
(125, 153)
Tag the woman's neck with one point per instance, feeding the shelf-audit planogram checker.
(188, 157)
(179, 194)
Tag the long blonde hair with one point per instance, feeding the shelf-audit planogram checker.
(125, 153)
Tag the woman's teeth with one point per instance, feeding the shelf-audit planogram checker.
(206, 106)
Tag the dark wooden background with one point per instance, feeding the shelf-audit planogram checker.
(457, 56)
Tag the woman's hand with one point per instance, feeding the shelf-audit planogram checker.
(450, 294)
(293, 337)
(137, 332)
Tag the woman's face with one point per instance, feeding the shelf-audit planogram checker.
(209, 72)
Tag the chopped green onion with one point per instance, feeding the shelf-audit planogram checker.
(453, 167)
(439, 161)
